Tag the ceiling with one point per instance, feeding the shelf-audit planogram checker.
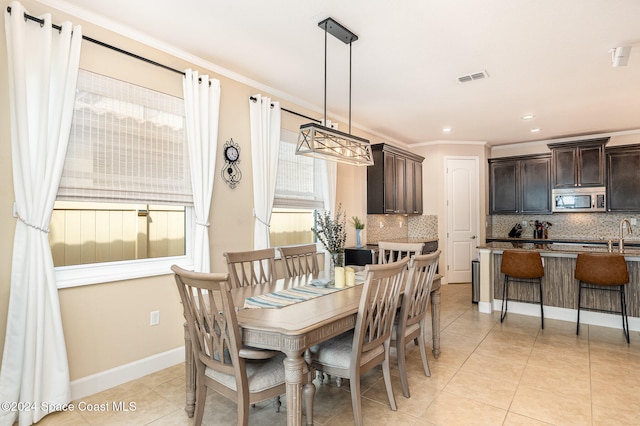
(549, 58)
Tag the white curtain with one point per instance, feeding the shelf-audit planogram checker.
(43, 69)
(202, 108)
(264, 116)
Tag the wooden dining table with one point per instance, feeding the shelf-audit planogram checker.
(295, 328)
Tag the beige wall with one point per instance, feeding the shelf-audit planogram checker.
(107, 325)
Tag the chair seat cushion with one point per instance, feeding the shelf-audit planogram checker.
(261, 374)
(336, 352)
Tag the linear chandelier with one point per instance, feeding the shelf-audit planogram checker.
(319, 141)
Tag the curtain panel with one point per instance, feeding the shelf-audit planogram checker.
(43, 68)
(202, 110)
(264, 115)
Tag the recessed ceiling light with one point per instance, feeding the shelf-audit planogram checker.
(447, 129)
(535, 130)
(528, 117)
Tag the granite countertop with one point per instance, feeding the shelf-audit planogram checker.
(632, 248)
(406, 240)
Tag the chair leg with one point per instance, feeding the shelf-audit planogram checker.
(579, 299)
(423, 355)
(356, 403)
(402, 367)
(201, 396)
(505, 295)
(625, 318)
(278, 404)
(541, 304)
(386, 373)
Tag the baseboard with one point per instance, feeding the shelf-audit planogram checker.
(484, 307)
(107, 379)
(571, 315)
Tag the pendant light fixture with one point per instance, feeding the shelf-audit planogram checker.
(323, 142)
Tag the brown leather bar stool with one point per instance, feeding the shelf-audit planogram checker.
(522, 266)
(603, 272)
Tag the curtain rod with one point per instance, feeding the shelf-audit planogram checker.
(101, 43)
(133, 55)
(290, 112)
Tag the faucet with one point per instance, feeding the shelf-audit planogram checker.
(621, 241)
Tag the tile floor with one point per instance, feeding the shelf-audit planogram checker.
(488, 374)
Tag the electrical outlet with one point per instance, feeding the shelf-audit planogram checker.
(633, 221)
(154, 318)
(381, 225)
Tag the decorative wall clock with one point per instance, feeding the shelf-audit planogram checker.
(231, 172)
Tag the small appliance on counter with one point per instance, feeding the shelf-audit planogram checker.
(516, 231)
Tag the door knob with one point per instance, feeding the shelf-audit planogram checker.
(473, 238)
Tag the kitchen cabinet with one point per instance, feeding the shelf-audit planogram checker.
(394, 182)
(520, 184)
(579, 163)
(623, 178)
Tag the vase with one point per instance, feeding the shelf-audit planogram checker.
(335, 259)
(358, 241)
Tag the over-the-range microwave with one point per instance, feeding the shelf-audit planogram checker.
(577, 200)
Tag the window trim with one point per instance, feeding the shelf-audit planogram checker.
(106, 272)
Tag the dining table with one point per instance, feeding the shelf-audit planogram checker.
(293, 329)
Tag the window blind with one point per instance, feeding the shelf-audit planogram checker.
(299, 178)
(127, 144)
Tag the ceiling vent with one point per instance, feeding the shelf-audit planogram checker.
(471, 77)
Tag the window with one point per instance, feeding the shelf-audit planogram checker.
(125, 192)
(300, 184)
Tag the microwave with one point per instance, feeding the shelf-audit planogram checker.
(578, 199)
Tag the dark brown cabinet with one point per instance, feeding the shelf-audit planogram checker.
(578, 164)
(623, 178)
(520, 184)
(394, 182)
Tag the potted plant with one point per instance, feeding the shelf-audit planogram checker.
(332, 233)
(359, 225)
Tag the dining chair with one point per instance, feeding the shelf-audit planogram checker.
(243, 375)
(253, 267)
(353, 353)
(299, 260)
(389, 251)
(410, 323)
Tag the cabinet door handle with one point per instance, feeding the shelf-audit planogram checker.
(473, 237)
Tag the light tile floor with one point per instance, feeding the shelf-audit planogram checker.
(488, 373)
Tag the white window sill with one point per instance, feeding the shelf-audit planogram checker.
(97, 273)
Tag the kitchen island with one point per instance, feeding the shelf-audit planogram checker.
(560, 289)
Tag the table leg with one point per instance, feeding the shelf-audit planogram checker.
(435, 322)
(309, 389)
(295, 374)
(190, 371)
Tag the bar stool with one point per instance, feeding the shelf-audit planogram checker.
(521, 266)
(603, 272)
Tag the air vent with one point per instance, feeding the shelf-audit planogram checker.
(471, 77)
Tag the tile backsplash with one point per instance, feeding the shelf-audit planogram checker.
(392, 227)
(588, 226)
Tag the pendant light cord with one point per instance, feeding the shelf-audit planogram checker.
(325, 74)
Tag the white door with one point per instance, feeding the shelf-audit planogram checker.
(462, 216)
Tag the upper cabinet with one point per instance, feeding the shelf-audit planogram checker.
(579, 163)
(520, 184)
(394, 182)
(623, 178)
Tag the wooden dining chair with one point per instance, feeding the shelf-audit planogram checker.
(299, 260)
(353, 353)
(410, 323)
(389, 251)
(243, 375)
(254, 267)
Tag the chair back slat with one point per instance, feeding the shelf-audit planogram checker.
(389, 251)
(249, 268)
(378, 304)
(415, 299)
(299, 260)
(211, 320)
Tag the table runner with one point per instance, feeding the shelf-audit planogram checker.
(278, 299)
